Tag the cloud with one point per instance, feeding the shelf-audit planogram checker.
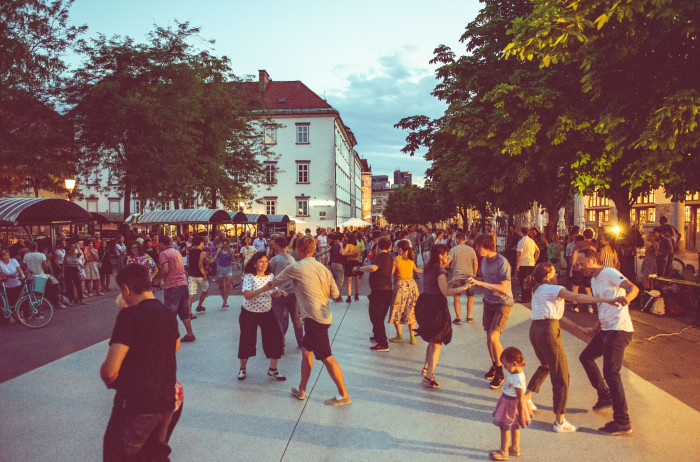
(373, 101)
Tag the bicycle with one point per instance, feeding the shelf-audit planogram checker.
(31, 308)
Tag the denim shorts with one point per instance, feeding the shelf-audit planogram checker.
(224, 271)
(177, 299)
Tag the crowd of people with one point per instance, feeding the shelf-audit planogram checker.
(293, 278)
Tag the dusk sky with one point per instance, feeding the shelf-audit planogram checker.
(369, 58)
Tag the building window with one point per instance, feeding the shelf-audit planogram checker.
(607, 215)
(303, 172)
(137, 206)
(591, 216)
(115, 205)
(270, 206)
(270, 177)
(633, 216)
(303, 134)
(651, 215)
(642, 215)
(270, 135)
(91, 205)
(302, 207)
(691, 196)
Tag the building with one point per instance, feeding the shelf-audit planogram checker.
(317, 177)
(366, 190)
(380, 182)
(381, 190)
(402, 178)
(600, 212)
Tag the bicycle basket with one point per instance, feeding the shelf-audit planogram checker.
(39, 283)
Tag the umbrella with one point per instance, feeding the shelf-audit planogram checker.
(355, 222)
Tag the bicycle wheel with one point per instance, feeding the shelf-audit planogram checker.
(677, 267)
(34, 314)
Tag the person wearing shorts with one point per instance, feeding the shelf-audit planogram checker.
(173, 280)
(498, 302)
(313, 286)
(224, 270)
(464, 264)
(197, 276)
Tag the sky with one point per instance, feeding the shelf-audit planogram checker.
(369, 59)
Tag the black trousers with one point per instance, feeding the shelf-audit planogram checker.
(269, 329)
(379, 304)
(523, 273)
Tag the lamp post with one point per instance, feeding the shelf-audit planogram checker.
(70, 186)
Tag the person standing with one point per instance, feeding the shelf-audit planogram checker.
(260, 243)
(173, 280)
(498, 302)
(510, 251)
(314, 284)
(351, 253)
(526, 257)
(464, 265)
(141, 366)
(224, 269)
(337, 262)
(105, 266)
(285, 306)
(197, 276)
(380, 297)
(403, 308)
(611, 337)
(577, 277)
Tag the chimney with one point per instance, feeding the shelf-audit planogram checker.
(264, 78)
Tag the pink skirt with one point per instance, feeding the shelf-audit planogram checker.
(506, 414)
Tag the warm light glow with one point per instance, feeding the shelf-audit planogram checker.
(70, 184)
(616, 230)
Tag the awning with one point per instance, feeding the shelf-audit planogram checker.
(41, 211)
(184, 216)
(105, 218)
(278, 218)
(240, 218)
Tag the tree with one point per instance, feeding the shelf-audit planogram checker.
(411, 204)
(168, 121)
(34, 140)
(637, 64)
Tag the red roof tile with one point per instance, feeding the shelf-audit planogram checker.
(287, 96)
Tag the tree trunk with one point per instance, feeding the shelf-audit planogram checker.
(213, 199)
(620, 196)
(127, 201)
(176, 203)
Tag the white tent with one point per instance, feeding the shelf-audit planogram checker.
(355, 222)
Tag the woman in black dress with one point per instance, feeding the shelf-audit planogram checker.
(432, 313)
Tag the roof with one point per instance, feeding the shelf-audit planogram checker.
(286, 96)
(365, 166)
(103, 218)
(182, 216)
(278, 218)
(246, 218)
(41, 211)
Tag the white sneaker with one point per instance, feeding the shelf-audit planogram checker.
(564, 427)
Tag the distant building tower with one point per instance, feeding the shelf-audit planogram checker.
(366, 190)
(380, 182)
(402, 178)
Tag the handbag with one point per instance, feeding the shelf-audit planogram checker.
(81, 273)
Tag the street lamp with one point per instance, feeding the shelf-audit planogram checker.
(70, 186)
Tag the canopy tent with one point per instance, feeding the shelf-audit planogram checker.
(105, 218)
(356, 222)
(247, 221)
(277, 224)
(185, 217)
(41, 211)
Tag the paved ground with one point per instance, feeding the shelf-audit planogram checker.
(59, 411)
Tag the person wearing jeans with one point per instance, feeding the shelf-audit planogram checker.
(173, 279)
(285, 306)
(337, 268)
(610, 338)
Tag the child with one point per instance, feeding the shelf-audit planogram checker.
(511, 413)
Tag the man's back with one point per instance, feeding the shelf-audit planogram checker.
(313, 285)
(176, 270)
(463, 258)
(34, 261)
(278, 263)
(146, 378)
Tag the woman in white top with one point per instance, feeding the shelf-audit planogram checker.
(120, 249)
(545, 335)
(11, 276)
(257, 311)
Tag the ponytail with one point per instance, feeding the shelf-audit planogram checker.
(538, 275)
(406, 247)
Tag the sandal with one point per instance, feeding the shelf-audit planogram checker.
(424, 371)
(497, 455)
(192, 316)
(430, 383)
(241, 374)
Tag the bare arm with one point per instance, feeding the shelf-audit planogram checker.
(416, 269)
(160, 276)
(367, 268)
(582, 298)
(202, 257)
(501, 287)
(574, 256)
(446, 291)
(110, 368)
(631, 289)
(517, 261)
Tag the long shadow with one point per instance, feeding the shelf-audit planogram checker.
(331, 437)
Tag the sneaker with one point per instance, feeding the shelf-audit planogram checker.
(490, 374)
(298, 394)
(613, 428)
(457, 321)
(397, 339)
(564, 427)
(602, 403)
(349, 300)
(379, 347)
(241, 374)
(590, 309)
(275, 373)
(200, 308)
(414, 340)
(430, 383)
(470, 320)
(497, 381)
(335, 401)
(188, 338)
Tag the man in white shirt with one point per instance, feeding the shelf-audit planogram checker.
(464, 264)
(314, 285)
(260, 243)
(610, 338)
(37, 265)
(525, 262)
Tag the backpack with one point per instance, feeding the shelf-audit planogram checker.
(655, 304)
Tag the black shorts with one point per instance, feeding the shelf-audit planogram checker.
(348, 265)
(316, 339)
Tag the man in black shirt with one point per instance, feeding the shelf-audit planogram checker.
(380, 298)
(141, 366)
